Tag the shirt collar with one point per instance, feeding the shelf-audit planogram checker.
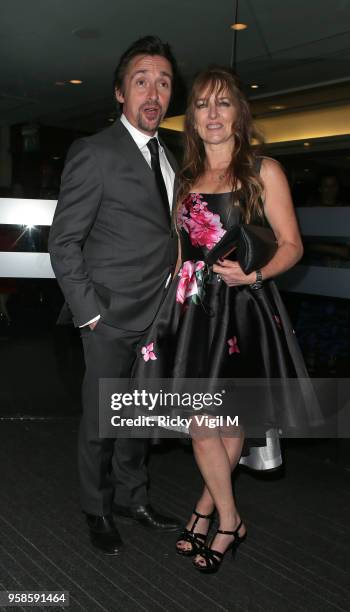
(138, 137)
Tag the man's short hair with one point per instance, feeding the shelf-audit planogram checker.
(148, 45)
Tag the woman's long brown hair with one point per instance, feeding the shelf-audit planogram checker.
(243, 167)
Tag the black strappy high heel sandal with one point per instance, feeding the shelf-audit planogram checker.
(213, 558)
(197, 540)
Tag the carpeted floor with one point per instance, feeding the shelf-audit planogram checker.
(295, 558)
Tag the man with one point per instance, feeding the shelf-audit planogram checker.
(112, 248)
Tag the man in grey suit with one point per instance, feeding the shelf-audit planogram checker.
(112, 248)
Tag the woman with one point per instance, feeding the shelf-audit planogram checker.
(233, 330)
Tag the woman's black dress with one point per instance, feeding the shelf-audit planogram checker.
(205, 329)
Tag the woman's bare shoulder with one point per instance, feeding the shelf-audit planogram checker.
(271, 168)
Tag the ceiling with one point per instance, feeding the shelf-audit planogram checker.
(288, 47)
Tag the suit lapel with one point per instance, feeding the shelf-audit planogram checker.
(133, 154)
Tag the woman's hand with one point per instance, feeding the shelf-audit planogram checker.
(232, 273)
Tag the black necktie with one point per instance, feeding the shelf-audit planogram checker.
(154, 151)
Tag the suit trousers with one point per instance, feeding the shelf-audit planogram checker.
(111, 470)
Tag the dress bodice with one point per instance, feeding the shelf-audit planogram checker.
(202, 221)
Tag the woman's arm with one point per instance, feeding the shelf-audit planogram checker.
(279, 211)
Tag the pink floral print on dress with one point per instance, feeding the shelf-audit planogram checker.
(233, 346)
(188, 285)
(148, 352)
(203, 227)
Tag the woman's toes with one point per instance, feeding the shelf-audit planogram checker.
(199, 560)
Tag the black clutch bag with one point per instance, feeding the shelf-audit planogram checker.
(255, 246)
(224, 247)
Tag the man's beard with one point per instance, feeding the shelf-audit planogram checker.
(142, 122)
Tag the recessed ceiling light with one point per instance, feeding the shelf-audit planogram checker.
(254, 86)
(75, 81)
(239, 26)
(56, 157)
(277, 107)
(111, 119)
(59, 83)
(306, 144)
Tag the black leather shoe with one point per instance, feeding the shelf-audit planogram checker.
(104, 534)
(148, 517)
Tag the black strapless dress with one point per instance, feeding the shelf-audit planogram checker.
(205, 329)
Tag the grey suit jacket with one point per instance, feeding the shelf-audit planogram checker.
(111, 243)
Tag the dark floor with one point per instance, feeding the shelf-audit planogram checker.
(295, 558)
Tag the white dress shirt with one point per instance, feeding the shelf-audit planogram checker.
(141, 141)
